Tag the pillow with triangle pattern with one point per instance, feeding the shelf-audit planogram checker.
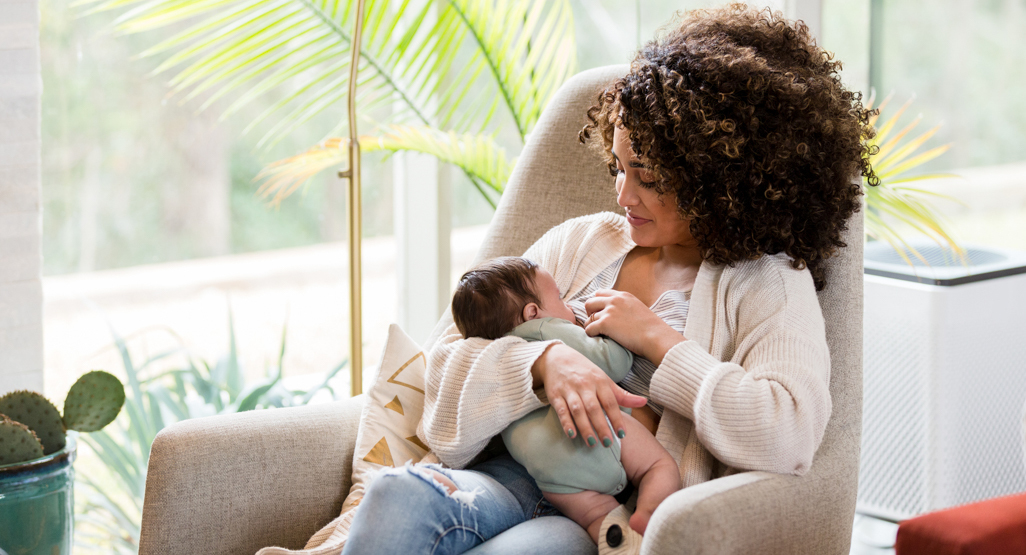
(387, 435)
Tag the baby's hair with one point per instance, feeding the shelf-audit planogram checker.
(489, 300)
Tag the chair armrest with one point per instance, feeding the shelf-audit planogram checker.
(236, 483)
(753, 513)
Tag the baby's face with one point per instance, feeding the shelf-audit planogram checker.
(548, 293)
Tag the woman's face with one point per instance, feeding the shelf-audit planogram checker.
(653, 217)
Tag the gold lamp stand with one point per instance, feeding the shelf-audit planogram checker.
(352, 177)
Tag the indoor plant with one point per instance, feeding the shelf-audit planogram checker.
(37, 449)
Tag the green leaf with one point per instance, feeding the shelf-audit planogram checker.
(477, 155)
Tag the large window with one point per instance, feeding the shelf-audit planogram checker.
(153, 227)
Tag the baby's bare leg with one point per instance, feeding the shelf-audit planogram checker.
(650, 468)
(586, 508)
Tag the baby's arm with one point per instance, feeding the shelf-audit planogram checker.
(607, 354)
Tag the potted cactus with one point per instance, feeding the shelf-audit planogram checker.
(37, 449)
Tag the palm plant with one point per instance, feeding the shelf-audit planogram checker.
(447, 67)
(894, 200)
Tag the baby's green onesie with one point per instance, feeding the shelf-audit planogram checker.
(537, 441)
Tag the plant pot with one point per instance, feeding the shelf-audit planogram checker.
(37, 504)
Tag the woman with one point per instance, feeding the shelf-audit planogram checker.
(735, 149)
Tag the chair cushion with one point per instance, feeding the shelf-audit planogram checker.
(988, 527)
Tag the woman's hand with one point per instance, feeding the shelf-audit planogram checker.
(582, 394)
(623, 318)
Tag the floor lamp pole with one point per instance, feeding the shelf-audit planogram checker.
(352, 175)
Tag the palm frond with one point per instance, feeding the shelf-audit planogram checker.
(480, 158)
(299, 48)
(529, 48)
(282, 178)
(889, 203)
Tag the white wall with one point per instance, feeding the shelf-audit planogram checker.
(21, 296)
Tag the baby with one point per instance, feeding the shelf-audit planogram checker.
(513, 296)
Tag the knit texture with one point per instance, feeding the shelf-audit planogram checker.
(749, 387)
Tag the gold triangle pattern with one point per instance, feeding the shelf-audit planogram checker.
(403, 367)
(416, 441)
(380, 454)
(395, 405)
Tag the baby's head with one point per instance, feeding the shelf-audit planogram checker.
(503, 293)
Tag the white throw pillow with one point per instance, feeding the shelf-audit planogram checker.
(387, 434)
(386, 437)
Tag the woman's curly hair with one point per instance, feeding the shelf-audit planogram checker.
(742, 117)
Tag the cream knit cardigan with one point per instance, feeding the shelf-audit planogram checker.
(747, 390)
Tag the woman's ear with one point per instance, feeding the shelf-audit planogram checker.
(531, 311)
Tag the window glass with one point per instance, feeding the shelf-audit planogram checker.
(961, 63)
(610, 31)
(152, 223)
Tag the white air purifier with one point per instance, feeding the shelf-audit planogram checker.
(944, 379)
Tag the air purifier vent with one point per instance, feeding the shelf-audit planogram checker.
(944, 386)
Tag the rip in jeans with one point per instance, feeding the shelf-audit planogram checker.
(464, 498)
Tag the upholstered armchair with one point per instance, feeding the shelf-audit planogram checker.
(233, 484)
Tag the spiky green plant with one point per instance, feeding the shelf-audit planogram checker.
(894, 156)
(443, 65)
(94, 401)
(17, 442)
(39, 414)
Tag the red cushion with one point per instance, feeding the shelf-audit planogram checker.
(992, 527)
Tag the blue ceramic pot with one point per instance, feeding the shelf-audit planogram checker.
(37, 504)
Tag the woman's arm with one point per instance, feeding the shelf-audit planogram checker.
(768, 407)
(765, 410)
(474, 388)
(605, 353)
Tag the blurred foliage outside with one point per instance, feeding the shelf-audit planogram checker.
(131, 177)
(109, 499)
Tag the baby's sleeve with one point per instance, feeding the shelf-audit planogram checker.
(607, 354)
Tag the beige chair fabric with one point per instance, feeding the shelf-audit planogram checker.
(234, 484)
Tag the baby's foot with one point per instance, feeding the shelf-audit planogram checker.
(639, 521)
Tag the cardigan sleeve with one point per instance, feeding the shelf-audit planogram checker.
(767, 408)
(474, 388)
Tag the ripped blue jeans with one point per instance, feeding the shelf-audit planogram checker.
(497, 509)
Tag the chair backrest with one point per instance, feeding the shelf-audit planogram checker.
(557, 178)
